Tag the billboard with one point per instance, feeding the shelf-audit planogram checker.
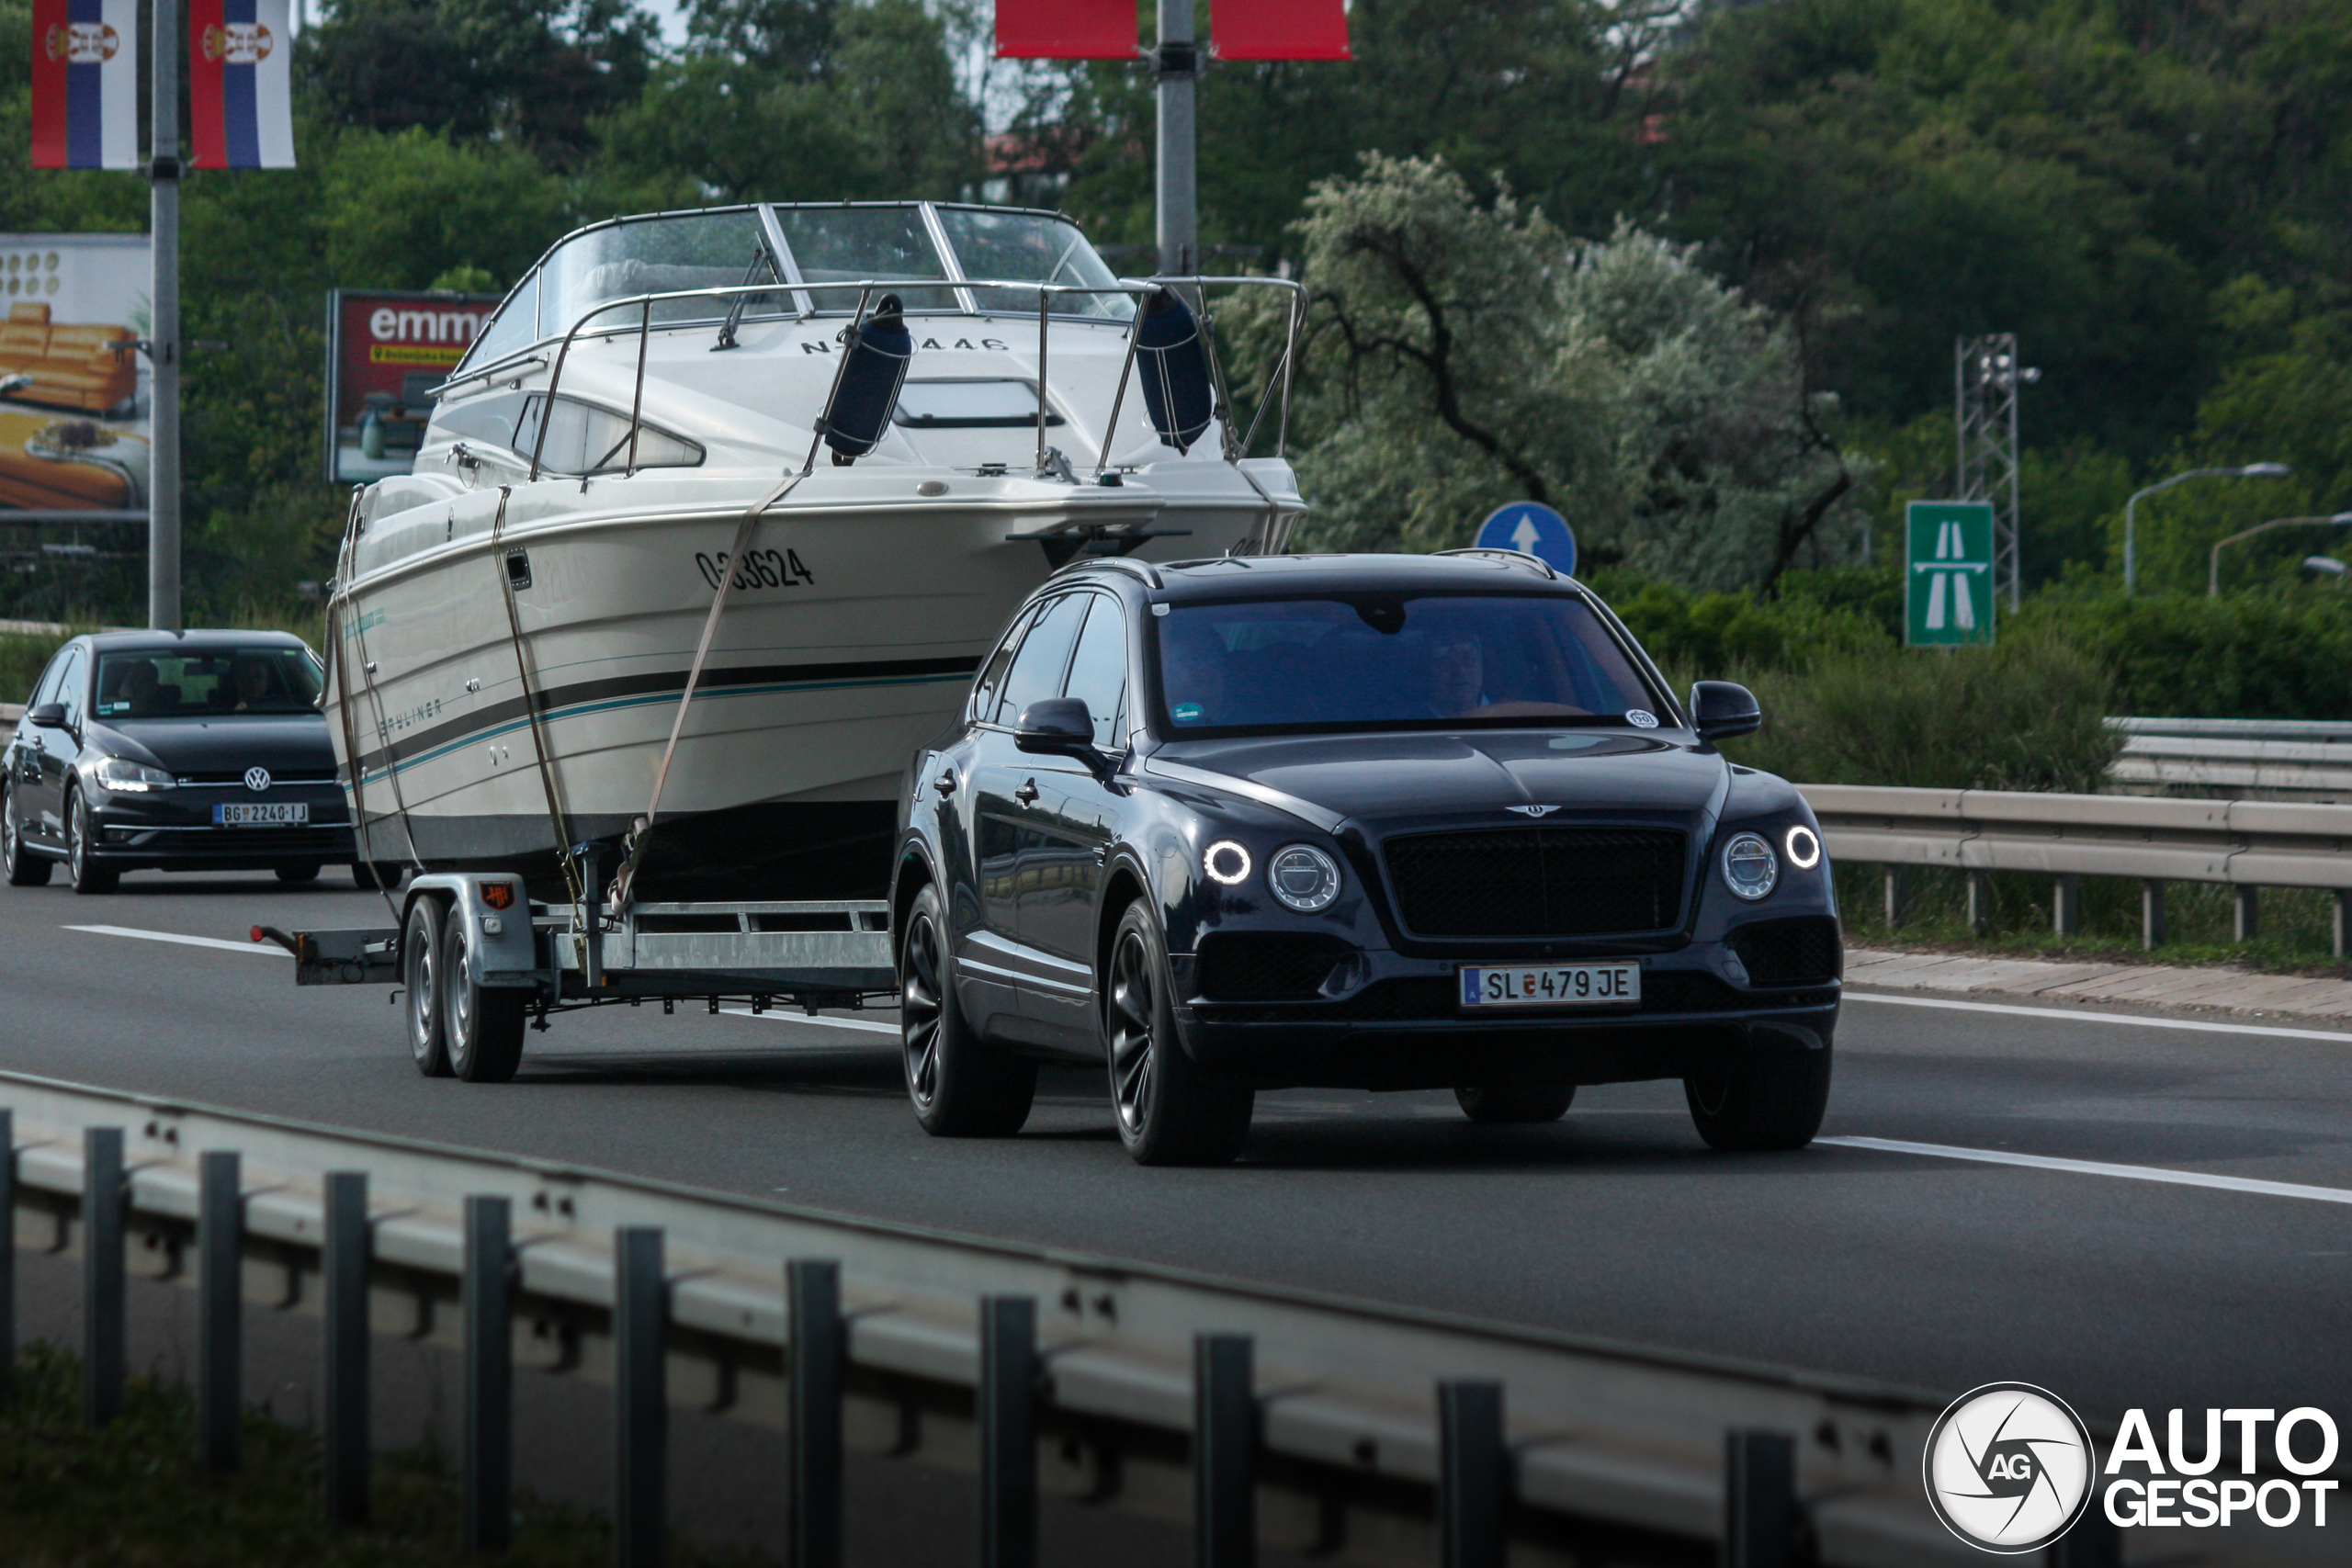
(74, 386)
(385, 354)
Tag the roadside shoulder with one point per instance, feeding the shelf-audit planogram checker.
(2141, 985)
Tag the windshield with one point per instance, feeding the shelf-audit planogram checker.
(1040, 250)
(208, 684)
(1387, 661)
(853, 244)
(654, 256)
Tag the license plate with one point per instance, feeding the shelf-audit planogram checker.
(261, 814)
(1552, 985)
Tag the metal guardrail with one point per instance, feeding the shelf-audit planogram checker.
(1300, 1421)
(2241, 758)
(2244, 844)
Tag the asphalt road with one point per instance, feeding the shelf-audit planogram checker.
(1936, 1272)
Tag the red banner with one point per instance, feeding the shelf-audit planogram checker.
(1066, 29)
(1279, 30)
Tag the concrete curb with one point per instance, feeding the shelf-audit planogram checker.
(2142, 985)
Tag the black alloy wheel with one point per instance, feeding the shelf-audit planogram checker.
(25, 868)
(961, 1086)
(481, 1025)
(84, 874)
(1167, 1111)
(297, 873)
(1515, 1105)
(428, 1043)
(1760, 1101)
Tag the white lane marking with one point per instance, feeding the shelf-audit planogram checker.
(265, 948)
(2070, 1014)
(2102, 1167)
(776, 1016)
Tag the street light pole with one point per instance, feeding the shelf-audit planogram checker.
(164, 332)
(1176, 63)
(2213, 563)
(2130, 532)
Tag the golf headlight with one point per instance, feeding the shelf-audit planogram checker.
(1227, 863)
(124, 776)
(1803, 846)
(1304, 878)
(1750, 868)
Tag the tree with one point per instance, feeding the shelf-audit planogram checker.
(1465, 353)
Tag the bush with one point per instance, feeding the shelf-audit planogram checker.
(2270, 655)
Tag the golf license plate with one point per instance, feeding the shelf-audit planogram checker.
(262, 814)
(1551, 986)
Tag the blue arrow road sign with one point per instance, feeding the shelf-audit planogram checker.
(1534, 527)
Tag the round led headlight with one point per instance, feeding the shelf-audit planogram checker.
(1227, 863)
(1304, 878)
(1750, 868)
(1803, 846)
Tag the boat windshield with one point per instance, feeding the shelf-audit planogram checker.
(655, 255)
(1035, 249)
(851, 244)
(1390, 662)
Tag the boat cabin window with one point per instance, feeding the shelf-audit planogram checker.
(583, 438)
(489, 418)
(972, 404)
(853, 244)
(654, 256)
(1024, 246)
(513, 329)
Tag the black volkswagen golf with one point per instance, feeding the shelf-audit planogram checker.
(201, 750)
(1383, 822)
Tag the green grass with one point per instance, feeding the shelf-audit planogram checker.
(135, 1495)
(2295, 928)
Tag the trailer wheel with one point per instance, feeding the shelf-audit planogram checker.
(421, 978)
(484, 1024)
(961, 1086)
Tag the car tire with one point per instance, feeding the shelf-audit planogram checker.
(428, 1043)
(1515, 1105)
(85, 876)
(25, 868)
(1167, 1111)
(373, 875)
(960, 1085)
(297, 873)
(481, 1026)
(1761, 1102)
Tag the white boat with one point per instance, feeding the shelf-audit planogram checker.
(514, 624)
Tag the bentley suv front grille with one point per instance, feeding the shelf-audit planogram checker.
(1538, 882)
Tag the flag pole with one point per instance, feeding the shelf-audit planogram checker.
(1176, 63)
(164, 331)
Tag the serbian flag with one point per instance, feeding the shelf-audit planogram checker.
(86, 83)
(1066, 29)
(241, 84)
(1279, 30)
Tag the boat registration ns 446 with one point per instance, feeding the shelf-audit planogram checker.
(1552, 985)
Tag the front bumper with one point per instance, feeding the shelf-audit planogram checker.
(1406, 1028)
(173, 831)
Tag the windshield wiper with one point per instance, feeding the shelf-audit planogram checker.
(761, 255)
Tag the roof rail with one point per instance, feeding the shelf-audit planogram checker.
(1522, 557)
(1142, 569)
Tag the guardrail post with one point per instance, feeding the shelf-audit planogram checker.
(812, 1290)
(640, 1400)
(7, 1254)
(2343, 922)
(220, 1309)
(2245, 911)
(2066, 905)
(1759, 1499)
(1224, 1452)
(2094, 1542)
(1473, 1474)
(102, 1286)
(1895, 878)
(346, 1346)
(1980, 901)
(487, 1522)
(2152, 914)
(1008, 1413)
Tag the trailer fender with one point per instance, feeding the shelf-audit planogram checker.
(494, 912)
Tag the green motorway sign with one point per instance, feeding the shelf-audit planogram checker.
(1947, 573)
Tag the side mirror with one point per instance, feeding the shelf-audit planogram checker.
(49, 715)
(1720, 709)
(1058, 726)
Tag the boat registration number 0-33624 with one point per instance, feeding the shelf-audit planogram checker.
(1552, 985)
(269, 814)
